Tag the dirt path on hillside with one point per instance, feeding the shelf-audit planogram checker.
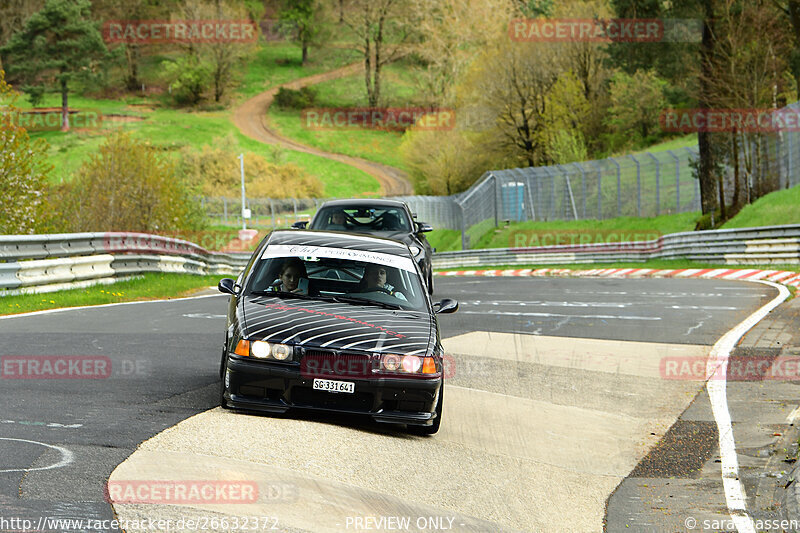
(251, 119)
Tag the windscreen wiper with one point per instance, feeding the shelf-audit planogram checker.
(366, 301)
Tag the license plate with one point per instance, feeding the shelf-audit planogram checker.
(330, 385)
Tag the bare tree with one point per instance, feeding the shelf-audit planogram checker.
(745, 70)
(513, 83)
(452, 32)
(221, 57)
(381, 27)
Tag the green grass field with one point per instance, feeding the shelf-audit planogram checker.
(146, 287)
(376, 145)
(172, 129)
(776, 208)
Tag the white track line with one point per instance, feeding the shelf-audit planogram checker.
(716, 372)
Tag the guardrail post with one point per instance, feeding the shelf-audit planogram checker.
(677, 181)
(272, 211)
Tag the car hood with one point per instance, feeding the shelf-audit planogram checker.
(336, 326)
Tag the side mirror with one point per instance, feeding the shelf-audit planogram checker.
(300, 224)
(446, 306)
(424, 227)
(227, 286)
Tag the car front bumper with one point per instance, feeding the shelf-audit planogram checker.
(276, 388)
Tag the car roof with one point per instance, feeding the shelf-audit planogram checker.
(335, 239)
(363, 202)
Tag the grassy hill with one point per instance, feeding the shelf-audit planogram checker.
(150, 118)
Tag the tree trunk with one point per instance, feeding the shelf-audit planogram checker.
(64, 106)
(132, 55)
(705, 171)
(376, 81)
(794, 16)
(736, 174)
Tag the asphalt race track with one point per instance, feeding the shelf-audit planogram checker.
(556, 390)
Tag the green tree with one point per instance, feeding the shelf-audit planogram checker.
(637, 101)
(23, 171)
(131, 186)
(58, 44)
(188, 76)
(304, 19)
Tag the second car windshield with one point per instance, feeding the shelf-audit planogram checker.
(361, 219)
(321, 277)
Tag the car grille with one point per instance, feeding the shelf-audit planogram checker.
(326, 363)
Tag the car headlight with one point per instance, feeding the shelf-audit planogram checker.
(415, 250)
(408, 364)
(264, 350)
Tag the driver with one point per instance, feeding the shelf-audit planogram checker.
(292, 277)
(375, 280)
(338, 221)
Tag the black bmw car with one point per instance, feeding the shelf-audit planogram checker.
(383, 218)
(329, 321)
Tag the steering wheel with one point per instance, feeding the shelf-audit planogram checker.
(379, 289)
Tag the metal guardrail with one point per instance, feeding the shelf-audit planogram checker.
(41, 263)
(762, 246)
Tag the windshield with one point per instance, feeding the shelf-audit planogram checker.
(378, 284)
(362, 219)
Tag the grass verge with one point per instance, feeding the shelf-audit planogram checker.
(150, 286)
(775, 208)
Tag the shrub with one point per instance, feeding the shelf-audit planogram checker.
(291, 99)
(23, 171)
(215, 171)
(131, 186)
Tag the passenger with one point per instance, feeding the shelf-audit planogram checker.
(375, 280)
(292, 277)
(338, 221)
